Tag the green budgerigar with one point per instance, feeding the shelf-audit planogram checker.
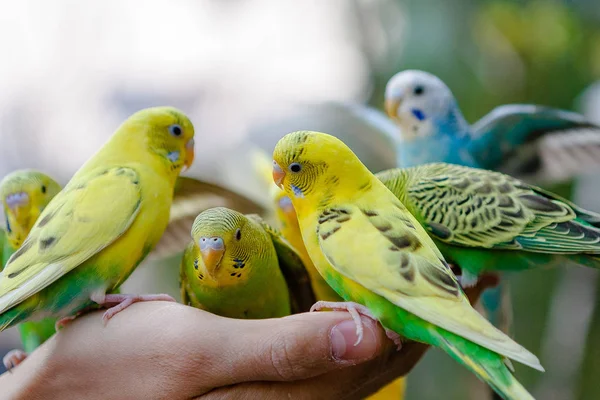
(237, 266)
(25, 193)
(374, 253)
(484, 221)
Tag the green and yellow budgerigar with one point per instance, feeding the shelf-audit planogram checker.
(373, 252)
(237, 266)
(486, 221)
(288, 224)
(25, 193)
(93, 234)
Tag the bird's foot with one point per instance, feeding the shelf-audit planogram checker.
(118, 302)
(13, 358)
(61, 323)
(355, 310)
(394, 337)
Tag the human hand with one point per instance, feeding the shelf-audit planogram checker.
(166, 350)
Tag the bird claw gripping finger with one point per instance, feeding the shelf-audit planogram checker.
(394, 337)
(355, 310)
(13, 358)
(61, 323)
(120, 302)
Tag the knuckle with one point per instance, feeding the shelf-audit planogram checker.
(282, 360)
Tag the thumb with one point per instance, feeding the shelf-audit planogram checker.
(296, 347)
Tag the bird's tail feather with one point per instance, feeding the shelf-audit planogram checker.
(488, 366)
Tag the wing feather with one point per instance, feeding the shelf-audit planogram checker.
(87, 216)
(478, 208)
(407, 270)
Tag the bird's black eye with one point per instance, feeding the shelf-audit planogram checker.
(418, 90)
(295, 167)
(43, 188)
(175, 130)
(238, 234)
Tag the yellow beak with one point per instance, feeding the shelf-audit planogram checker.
(212, 250)
(391, 107)
(189, 154)
(278, 175)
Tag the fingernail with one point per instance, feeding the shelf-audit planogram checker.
(343, 337)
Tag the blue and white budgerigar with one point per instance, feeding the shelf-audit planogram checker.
(518, 139)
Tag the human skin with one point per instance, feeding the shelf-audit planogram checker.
(160, 350)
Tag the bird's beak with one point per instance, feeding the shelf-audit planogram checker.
(391, 107)
(212, 250)
(189, 154)
(278, 175)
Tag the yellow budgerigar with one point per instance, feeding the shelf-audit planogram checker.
(237, 266)
(286, 217)
(379, 259)
(24, 194)
(93, 234)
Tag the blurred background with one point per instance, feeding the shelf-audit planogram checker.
(251, 71)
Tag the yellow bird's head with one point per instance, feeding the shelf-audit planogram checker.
(165, 132)
(228, 246)
(311, 166)
(25, 193)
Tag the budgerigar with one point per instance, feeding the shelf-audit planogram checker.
(237, 266)
(373, 252)
(25, 193)
(287, 220)
(528, 141)
(487, 221)
(93, 234)
(519, 139)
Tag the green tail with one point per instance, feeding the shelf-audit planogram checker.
(486, 365)
(34, 333)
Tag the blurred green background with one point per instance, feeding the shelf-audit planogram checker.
(254, 70)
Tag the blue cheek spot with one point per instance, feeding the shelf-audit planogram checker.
(173, 156)
(7, 224)
(418, 114)
(297, 191)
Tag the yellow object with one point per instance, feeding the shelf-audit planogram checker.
(288, 224)
(372, 251)
(94, 233)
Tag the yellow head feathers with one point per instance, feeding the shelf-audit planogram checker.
(227, 246)
(25, 193)
(310, 164)
(164, 131)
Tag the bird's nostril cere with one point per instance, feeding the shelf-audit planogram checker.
(17, 199)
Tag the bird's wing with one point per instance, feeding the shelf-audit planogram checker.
(537, 142)
(478, 208)
(385, 250)
(295, 274)
(87, 216)
(191, 197)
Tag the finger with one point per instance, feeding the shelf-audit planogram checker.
(293, 348)
(354, 382)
